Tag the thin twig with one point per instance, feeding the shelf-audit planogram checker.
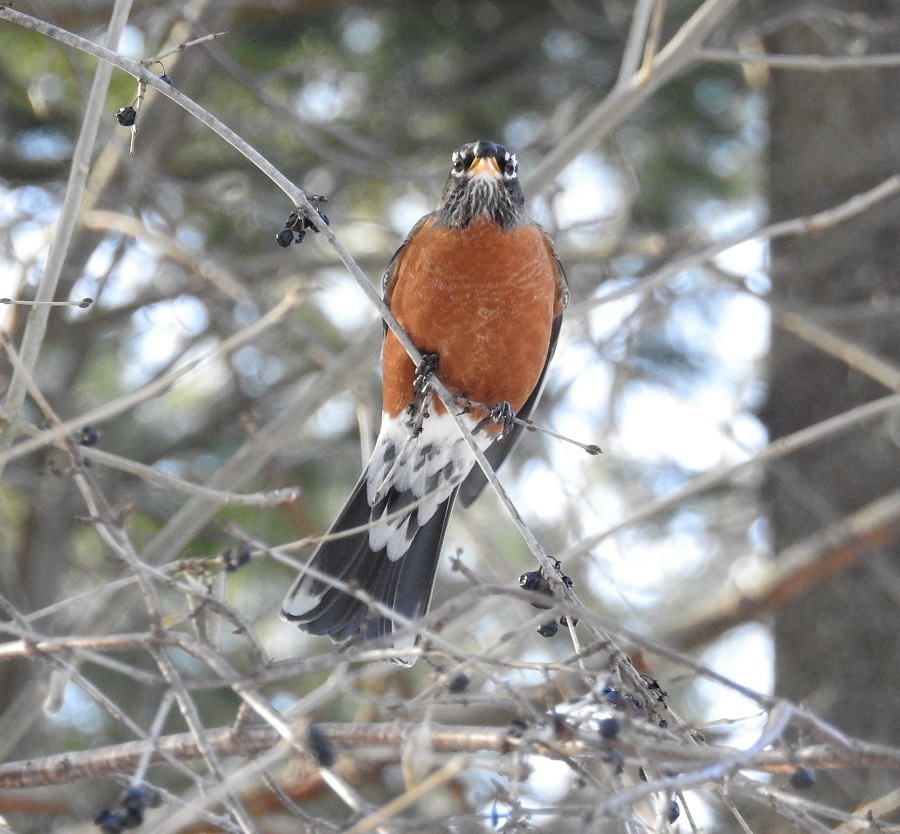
(84, 303)
(591, 448)
(810, 224)
(36, 327)
(440, 777)
(154, 388)
(653, 35)
(283, 495)
(671, 61)
(636, 41)
(776, 449)
(188, 709)
(156, 59)
(779, 718)
(850, 353)
(162, 714)
(806, 63)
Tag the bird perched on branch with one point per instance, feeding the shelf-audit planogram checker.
(480, 291)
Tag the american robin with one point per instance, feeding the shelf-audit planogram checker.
(479, 289)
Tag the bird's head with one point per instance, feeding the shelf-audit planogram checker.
(483, 181)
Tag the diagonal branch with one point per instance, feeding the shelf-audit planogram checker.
(794, 571)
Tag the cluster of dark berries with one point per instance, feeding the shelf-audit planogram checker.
(537, 582)
(131, 813)
(617, 699)
(298, 224)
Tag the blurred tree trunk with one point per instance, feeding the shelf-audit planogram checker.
(833, 135)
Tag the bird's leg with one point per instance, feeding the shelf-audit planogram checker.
(417, 410)
(502, 415)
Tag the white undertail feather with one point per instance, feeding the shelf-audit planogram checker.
(406, 470)
(425, 468)
(300, 599)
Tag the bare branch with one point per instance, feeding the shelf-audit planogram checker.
(778, 448)
(33, 337)
(806, 63)
(383, 743)
(812, 224)
(794, 571)
(154, 388)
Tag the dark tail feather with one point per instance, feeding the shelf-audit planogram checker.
(404, 585)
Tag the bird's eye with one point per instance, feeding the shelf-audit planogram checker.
(459, 163)
(510, 166)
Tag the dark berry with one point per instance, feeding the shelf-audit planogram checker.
(548, 629)
(517, 728)
(89, 436)
(612, 695)
(458, 683)
(236, 557)
(803, 778)
(532, 580)
(609, 728)
(126, 116)
(134, 798)
(320, 746)
(110, 822)
(674, 811)
(285, 237)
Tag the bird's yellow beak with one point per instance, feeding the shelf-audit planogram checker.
(484, 166)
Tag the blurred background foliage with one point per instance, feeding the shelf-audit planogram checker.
(363, 102)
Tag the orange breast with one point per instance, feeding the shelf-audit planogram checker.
(482, 299)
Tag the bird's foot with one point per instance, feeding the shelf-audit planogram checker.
(424, 372)
(417, 410)
(500, 415)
